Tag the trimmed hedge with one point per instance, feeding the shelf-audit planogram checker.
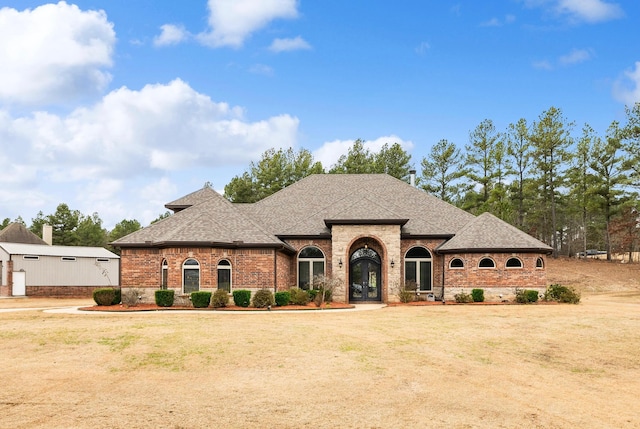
(263, 299)
(242, 297)
(282, 298)
(117, 298)
(220, 298)
(164, 297)
(477, 295)
(200, 299)
(104, 295)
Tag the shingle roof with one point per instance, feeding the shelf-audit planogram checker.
(18, 233)
(311, 206)
(489, 233)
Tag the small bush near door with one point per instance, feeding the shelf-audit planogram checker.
(477, 295)
(242, 297)
(220, 298)
(299, 296)
(164, 297)
(282, 298)
(200, 299)
(263, 299)
(104, 295)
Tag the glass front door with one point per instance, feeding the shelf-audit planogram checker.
(364, 276)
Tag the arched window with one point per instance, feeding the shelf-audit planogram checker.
(514, 263)
(310, 265)
(418, 268)
(539, 263)
(224, 275)
(164, 274)
(190, 276)
(486, 263)
(456, 263)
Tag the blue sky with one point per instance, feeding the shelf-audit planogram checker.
(118, 107)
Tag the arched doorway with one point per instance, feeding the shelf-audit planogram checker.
(365, 281)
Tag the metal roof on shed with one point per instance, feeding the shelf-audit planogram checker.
(46, 250)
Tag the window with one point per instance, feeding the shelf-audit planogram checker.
(514, 263)
(102, 259)
(456, 263)
(418, 268)
(224, 275)
(69, 258)
(487, 263)
(190, 276)
(310, 265)
(164, 274)
(31, 257)
(540, 263)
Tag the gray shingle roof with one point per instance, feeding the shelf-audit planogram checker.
(309, 208)
(489, 233)
(18, 233)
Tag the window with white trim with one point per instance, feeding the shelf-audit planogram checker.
(68, 258)
(31, 257)
(486, 263)
(539, 263)
(513, 263)
(310, 265)
(164, 274)
(418, 268)
(224, 275)
(456, 264)
(190, 276)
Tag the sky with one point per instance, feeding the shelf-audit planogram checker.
(118, 107)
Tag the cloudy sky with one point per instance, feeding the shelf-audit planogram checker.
(117, 106)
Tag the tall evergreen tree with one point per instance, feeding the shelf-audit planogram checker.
(519, 149)
(480, 163)
(442, 170)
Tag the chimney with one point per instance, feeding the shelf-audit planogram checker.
(412, 176)
(47, 234)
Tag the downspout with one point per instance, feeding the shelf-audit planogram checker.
(443, 265)
(275, 271)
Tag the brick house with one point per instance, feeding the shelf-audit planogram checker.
(371, 233)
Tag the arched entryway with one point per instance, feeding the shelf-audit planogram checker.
(365, 279)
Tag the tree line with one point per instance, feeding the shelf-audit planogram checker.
(572, 190)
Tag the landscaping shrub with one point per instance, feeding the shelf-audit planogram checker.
(164, 297)
(477, 295)
(561, 293)
(104, 295)
(131, 297)
(263, 299)
(242, 297)
(463, 297)
(299, 296)
(312, 294)
(282, 298)
(526, 296)
(117, 298)
(200, 299)
(220, 298)
(406, 292)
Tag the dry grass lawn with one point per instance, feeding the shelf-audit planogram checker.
(536, 366)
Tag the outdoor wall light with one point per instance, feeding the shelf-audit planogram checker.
(393, 264)
(340, 262)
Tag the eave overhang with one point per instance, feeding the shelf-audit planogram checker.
(213, 244)
(494, 250)
(330, 222)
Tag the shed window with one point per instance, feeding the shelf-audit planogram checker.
(310, 266)
(514, 263)
(190, 276)
(68, 258)
(418, 268)
(103, 259)
(487, 263)
(31, 257)
(224, 275)
(456, 263)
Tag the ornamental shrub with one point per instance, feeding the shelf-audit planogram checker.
(164, 297)
(299, 296)
(526, 296)
(477, 295)
(312, 294)
(242, 297)
(104, 295)
(132, 297)
(220, 298)
(117, 298)
(463, 297)
(263, 299)
(200, 299)
(561, 293)
(282, 298)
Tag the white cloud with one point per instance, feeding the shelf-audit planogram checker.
(262, 69)
(131, 136)
(576, 56)
(422, 48)
(627, 88)
(329, 152)
(232, 21)
(53, 53)
(285, 45)
(590, 10)
(171, 35)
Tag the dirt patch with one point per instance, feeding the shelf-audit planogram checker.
(593, 275)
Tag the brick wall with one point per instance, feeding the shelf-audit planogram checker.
(61, 291)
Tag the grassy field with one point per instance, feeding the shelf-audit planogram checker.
(537, 366)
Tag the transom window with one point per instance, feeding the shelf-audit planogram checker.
(514, 263)
(224, 275)
(164, 274)
(486, 263)
(456, 263)
(418, 268)
(190, 276)
(310, 265)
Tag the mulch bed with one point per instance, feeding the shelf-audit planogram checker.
(154, 307)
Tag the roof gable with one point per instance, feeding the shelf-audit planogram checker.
(489, 233)
(192, 199)
(18, 233)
